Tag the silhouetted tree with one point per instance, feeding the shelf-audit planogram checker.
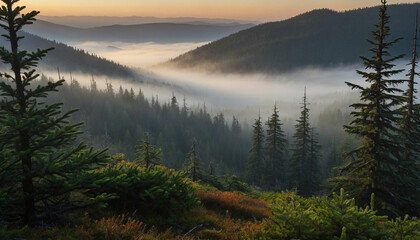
(256, 154)
(193, 164)
(147, 154)
(373, 166)
(410, 123)
(300, 160)
(40, 164)
(275, 146)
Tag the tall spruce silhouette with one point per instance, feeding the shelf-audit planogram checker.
(275, 145)
(374, 166)
(410, 123)
(256, 154)
(41, 163)
(300, 160)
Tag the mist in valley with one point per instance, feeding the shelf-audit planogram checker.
(244, 96)
(137, 55)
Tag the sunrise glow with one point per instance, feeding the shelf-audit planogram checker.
(262, 10)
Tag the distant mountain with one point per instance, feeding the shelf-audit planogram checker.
(151, 32)
(100, 21)
(320, 38)
(69, 59)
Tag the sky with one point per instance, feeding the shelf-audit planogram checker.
(260, 10)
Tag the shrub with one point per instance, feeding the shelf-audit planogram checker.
(215, 225)
(117, 228)
(155, 190)
(294, 217)
(235, 184)
(404, 229)
(9, 234)
(238, 205)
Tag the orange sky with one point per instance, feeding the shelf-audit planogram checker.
(263, 10)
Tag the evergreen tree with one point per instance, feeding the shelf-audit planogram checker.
(236, 127)
(300, 160)
(147, 154)
(275, 146)
(313, 163)
(334, 159)
(93, 86)
(174, 102)
(184, 110)
(373, 165)
(256, 154)
(192, 165)
(109, 88)
(410, 123)
(40, 164)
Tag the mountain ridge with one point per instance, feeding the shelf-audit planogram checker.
(70, 59)
(137, 33)
(97, 21)
(319, 38)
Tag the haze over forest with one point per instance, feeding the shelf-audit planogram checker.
(212, 120)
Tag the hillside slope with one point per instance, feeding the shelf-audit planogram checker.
(99, 21)
(140, 33)
(320, 38)
(69, 59)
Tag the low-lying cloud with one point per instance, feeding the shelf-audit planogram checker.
(137, 55)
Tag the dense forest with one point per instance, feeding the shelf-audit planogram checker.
(119, 118)
(69, 59)
(143, 169)
(320, 38)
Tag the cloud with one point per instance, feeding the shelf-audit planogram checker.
(137, 55)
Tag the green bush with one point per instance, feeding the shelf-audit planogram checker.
(404, 229)
(9, 234)
(153, 190)
(294, 217)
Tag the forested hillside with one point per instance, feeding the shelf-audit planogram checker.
(69, 59)
(141, 33)
(139, 169)
(320, 38)
(119, 121)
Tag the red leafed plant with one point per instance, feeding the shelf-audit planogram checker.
(237, 205)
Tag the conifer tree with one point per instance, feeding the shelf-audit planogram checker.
(275, 146)
(313, 163)
(373, 166)
(147, 154)
(410, 123)
(236, 127)
(184, 110)
(256, 154)
(40, 164)
(174, 102)
(192, 165)
(334, 159)
(300, 161)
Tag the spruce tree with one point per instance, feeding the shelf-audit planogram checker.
(334, 159)
(410, 123)
(236, 127)
(192, 165)
(40, 164)
(275, 146)
(313, 163)
(300, 161)
(147, 154)
(174, 102)
(373, 166)
(256, 154)
(184, 110)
